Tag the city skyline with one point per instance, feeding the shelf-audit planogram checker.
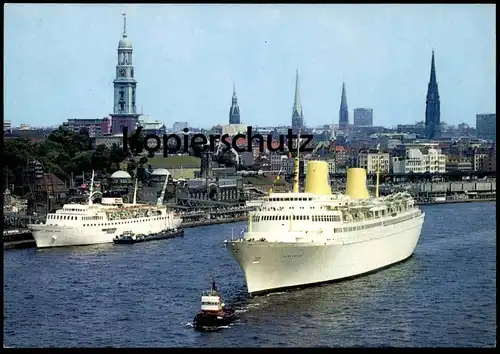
(60, 61)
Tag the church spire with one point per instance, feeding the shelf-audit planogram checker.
(343, 100)
(433, 80)
(124, 25)
(235, 99)
(297, 105)
(234, 111)
(343, 111)
(432, 105)
(297, 114)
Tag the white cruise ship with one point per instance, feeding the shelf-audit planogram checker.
(296, 239)
(77, 224)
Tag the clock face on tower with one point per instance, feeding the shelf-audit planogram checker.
(122, 72)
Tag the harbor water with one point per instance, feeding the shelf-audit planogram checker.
(146, 294)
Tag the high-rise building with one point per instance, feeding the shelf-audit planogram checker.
(343, 111)
(234, 111)
(432, 108)
(297, 116)
(124, 110)
(486, 125)
(363, 117)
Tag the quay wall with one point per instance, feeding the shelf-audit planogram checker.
(417, 189)
(455, 187)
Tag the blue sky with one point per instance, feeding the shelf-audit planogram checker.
(60, 61)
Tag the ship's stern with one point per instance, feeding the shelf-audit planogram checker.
(177, 222)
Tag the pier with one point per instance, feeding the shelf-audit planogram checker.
(450, 201)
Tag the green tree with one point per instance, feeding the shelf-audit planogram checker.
(101, 158)
(63, 152)
(117, 156)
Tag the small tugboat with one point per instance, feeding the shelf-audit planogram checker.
(213, 314)
(129, 237)
(165, 234)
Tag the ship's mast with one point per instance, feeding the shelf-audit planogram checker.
(378, 171)
(159, 202)
(297, 166)
(134, 202)
(276, 180)
(91, 190)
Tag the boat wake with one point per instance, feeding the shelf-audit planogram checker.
(212, 328)
(276, 293)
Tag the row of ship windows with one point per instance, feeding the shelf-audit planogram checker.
(315, 218)
(73, 217)
(124, 222)
(369, 226)
(329, 218)
(289, 199)
(272, 208)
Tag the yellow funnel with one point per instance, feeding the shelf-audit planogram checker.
(317, 178)
(356, 183)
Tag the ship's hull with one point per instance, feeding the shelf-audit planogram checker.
(269, 266)
(58, 236)
(208, 321)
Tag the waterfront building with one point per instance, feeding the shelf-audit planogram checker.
(454, 164)
(478, 160)
(432, 108)
(369, 159)
(124, 109)
(489, 163)
(419, 160)
(363, 117)
(297, 114)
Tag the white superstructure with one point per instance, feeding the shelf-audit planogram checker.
(295, 239)
(77, 224)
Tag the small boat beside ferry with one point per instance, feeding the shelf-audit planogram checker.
(214, 313)
(129, 237)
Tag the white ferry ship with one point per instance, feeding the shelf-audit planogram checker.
(296, 239)
(77, 224)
